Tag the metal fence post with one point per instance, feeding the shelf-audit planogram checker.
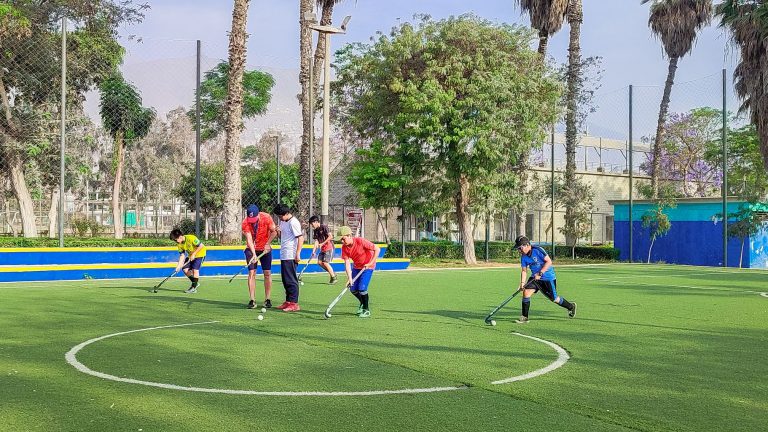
(725, 175)
(631, 162)
(197, 144)
(63, 128)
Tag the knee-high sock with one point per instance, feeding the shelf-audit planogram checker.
(526, 306)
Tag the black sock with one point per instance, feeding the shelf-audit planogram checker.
(364, 300)
(191, 278)
(194, 281)
(526, 306)
(565, 303)
(357, 296)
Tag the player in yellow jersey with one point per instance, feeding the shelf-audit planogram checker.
(191, 257)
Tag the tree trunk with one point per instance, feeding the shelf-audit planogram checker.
(234, 126)
(543, 42)
(305, 44)
(659, 140)
(53, 213)
(117, 215)
(383, 223)
(741, 252)
(465, 227)
(24, 198)
(575, 17)
(650, 248)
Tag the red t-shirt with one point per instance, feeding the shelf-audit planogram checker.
(360, 252)
(266, 224)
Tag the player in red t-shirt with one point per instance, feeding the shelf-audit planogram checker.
(323, 242)
(259, 230)
(363, 254)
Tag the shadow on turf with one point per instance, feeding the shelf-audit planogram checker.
(190, 299)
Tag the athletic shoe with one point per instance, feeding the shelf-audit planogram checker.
(292, 307)
(572, 312)
(252, 304)
(267, 303)
(333, 280)
(191, 290)
(365, 313)
(522, 320)
(284, 305)
(359, 309)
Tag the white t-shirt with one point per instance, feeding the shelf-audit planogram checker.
(289, 231)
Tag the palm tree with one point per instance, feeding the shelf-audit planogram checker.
(234, 124)
(676, 23)
(305, 44)
(126, 120)
(748, 23)
(547, 16)
(574, 81)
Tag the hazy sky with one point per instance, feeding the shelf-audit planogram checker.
(616, 30)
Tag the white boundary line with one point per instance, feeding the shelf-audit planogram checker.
(562, 358)
(71, 357)
(764, 294)
(702, 288)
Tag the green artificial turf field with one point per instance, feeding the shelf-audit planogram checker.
(653, 348)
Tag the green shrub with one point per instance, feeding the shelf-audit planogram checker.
(21, 242)
(187, 226)
(496, 250)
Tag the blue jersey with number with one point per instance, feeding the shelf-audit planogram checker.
(535, 260)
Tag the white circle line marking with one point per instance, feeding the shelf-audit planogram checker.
(562, 358)
(764, 294)
(71, 357)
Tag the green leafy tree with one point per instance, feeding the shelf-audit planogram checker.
(657, 222)
(211, 189)
(257, 88)
(452, 102)
(746, 177)
(127, 121)
(747, 222)
(30, 70)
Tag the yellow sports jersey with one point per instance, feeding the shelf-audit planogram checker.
(191, 242)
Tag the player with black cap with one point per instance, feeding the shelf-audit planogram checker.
(543, 278)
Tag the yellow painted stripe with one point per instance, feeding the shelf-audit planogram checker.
(168, 265)
(131, 249)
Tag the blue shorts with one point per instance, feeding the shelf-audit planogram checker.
(195, 264)
(361, 284)
(266, 260)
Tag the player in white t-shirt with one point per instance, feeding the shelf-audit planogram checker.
(291, 242)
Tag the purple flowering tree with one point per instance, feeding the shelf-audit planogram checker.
(682, 163)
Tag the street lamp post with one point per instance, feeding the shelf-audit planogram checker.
(326, 32)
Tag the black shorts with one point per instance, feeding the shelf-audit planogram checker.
(266, 260)
(548, 288)
(326, 257)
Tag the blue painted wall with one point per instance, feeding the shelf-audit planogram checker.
(696, 237)
(46, 264)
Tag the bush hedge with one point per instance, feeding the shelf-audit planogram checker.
(19, 242)
(496, 250)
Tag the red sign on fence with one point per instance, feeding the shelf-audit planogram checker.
(355, 220)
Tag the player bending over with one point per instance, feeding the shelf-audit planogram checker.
(194, 249)
(543, 278)
(363, 254)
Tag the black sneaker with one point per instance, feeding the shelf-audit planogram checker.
(572, 312)
(267, 303)
(251, 304)
(333, 280)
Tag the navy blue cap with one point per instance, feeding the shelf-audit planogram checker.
(252, 211)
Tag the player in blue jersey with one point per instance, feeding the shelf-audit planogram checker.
(542, 279)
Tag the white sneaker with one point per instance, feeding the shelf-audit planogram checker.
(191, 290)
(522, 320)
